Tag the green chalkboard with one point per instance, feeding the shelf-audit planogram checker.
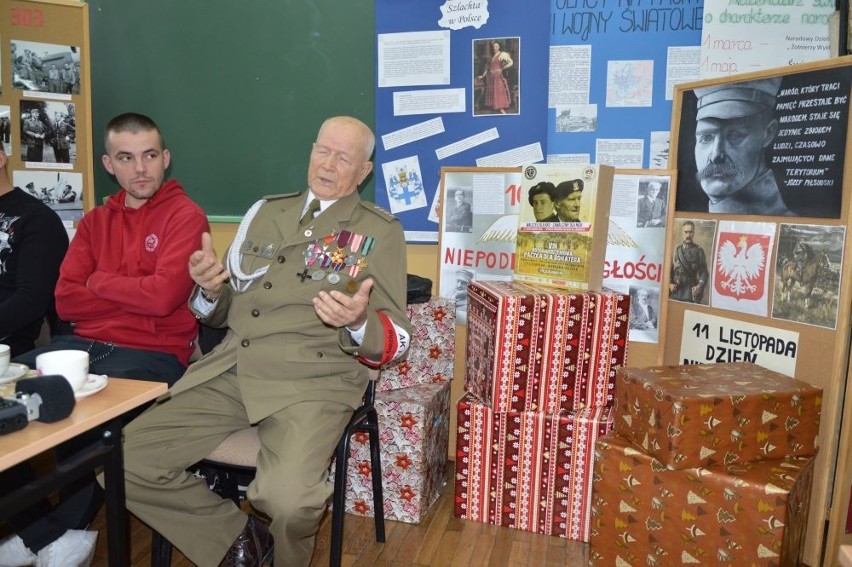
(239, 88)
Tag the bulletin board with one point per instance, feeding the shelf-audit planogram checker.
(47, 37)
(636, 251)
(431, 109)
(485, 248)
(774, 315)
(613, 66)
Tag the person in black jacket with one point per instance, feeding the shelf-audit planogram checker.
(32, 245)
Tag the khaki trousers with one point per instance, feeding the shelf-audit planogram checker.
(291, 486)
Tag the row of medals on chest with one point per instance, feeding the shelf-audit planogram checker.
(342, 251)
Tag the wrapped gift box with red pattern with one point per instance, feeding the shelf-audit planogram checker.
(712, 414)
(533, 348)
(644, 514)
(527, 470)
(413, 436)
(432, 353)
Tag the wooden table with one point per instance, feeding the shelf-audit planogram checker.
(102, 411)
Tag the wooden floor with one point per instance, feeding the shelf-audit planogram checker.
(440, 539)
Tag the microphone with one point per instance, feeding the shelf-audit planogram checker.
(47, 398)
(13, 416)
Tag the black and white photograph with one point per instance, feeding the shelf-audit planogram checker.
(644, 308)
(62, 191)
(455, 279)
(577, 118)
(6, 129)
(651, 208)
(45, 67)
(48, 133)
(773, 146)
(496, 76)
(807, 274)
(459, 211)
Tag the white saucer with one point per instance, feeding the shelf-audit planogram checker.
(14, 372)
(93, 385)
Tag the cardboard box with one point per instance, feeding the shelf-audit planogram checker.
(431, 356)
(413, 437)
(533, 348)
(527, 470)
(565, 252)
(742, 514)
(716, 414)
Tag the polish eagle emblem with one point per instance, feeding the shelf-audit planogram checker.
(740, 265)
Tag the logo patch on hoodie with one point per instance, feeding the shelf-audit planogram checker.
(151, 242)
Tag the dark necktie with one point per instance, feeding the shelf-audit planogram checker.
(313, 208)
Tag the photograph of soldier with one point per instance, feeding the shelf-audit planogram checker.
(45, 67)
(689, 272)
(62, 191)
(48, 132)
(541, 199)
(807, 274)
(568, 200)
(461, 276)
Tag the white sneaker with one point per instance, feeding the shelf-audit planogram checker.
(13, 553)
(75, 548)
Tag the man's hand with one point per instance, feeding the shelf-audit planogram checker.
(337, 309)
(206, 270)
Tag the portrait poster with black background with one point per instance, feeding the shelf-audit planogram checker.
(807, 154)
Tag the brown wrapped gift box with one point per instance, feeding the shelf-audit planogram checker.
(533, 348)
(716, 414)
(746, 514)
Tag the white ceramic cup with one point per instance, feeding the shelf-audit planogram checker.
(5, 357)
(72, 364)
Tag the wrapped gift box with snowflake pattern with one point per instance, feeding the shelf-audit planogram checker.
(527, 470)
(534, 348)
(413, 436)
(716, 414)
(432, 354)
(645, 514)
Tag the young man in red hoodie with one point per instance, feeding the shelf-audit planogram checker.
(124, 287)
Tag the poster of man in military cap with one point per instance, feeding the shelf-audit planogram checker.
(771, 146)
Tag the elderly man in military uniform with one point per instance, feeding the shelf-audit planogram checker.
(34, 134)
(312, 289)
(568, 197)
(735, 124)
(689, 273)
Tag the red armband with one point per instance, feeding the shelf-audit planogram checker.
(390, 346)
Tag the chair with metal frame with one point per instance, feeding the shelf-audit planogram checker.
(234, 461)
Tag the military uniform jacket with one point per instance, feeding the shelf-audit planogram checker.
(33, 127)
(282, 351)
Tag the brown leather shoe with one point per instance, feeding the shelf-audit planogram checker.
(252, 548)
